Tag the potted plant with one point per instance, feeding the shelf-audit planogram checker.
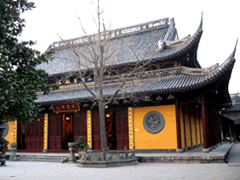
(80, 144)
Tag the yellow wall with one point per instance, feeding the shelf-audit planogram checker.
(11, 136)
(165, 139)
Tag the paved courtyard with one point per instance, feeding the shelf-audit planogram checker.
(148, 171)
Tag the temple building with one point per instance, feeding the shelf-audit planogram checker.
(172, 104)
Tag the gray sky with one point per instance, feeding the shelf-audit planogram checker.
(221, 26)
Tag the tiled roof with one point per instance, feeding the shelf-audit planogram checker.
(154, 40)
(235, 98)
(177, 79)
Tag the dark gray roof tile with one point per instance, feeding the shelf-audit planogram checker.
(175, 79)
(144, 42)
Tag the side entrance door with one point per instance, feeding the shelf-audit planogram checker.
(67, 130)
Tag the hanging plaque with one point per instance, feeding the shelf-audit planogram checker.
(65, 107)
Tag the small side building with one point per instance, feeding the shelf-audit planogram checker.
(231, 120)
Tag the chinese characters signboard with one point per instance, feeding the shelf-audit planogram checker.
(66, 107)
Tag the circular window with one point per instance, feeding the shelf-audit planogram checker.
(153, 122)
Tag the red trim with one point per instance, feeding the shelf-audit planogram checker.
(29, 150)
(205, 124)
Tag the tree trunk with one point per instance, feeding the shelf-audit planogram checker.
(103, 136)
(2, 144)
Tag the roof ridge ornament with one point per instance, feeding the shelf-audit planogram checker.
(232, 55)
(168, 42)
(169, 35)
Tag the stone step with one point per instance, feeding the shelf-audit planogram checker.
(40, 159)
(44, 157)
(176, 159)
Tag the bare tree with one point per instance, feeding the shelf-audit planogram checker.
(97, 57)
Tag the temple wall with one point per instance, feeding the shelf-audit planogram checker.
(165, 139)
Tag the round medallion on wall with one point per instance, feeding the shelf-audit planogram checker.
(153, 122)
(6, 129)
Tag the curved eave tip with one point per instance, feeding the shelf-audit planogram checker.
(234, 51)
(201, 23)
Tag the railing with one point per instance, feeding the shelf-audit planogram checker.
(107, 156)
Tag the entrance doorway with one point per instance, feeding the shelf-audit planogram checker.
(22, 135)
(67, 130)
(110, 129)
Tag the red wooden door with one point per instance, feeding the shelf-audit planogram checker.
(54, 132)
(34, 137)
(121, 118)
(80, 125)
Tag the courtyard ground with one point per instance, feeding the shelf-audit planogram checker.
(150, 171)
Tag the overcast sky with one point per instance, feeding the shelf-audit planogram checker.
(221, 26)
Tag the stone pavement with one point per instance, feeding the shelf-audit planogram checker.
(233, 158)
(143, 171)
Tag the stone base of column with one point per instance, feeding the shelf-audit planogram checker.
(45, 151)
(205, 150)
(13, 149)
(179, 150)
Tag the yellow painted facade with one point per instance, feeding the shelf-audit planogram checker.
(165, 139)
(89, 128)
(11, 137)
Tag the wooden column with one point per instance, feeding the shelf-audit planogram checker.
(205, 124)
(230, 132)
(45, 133)
(179, 145)
(234, 133)
(220, 127)
(130, 128)
(89, 128)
